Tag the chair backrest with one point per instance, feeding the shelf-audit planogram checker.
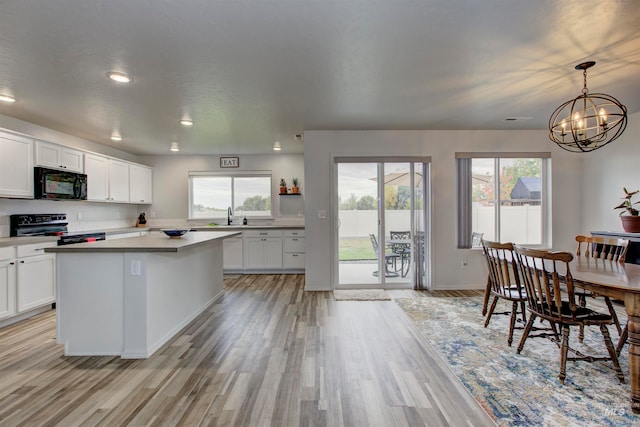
(374, 243)
(400, 247)
(542, 274)
(503, 274)
(602, 247)
(476, 239)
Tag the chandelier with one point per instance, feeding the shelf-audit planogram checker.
(589, 121)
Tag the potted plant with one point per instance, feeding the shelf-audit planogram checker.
(295, 189)
(283, 186)
(631, 222)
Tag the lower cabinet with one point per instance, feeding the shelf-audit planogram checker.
(36, 281)
(263, 249)
(266, 250)
(233, 253)
(7, 282)
(27, 279)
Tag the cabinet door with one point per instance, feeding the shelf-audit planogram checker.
(16, 167)
(253, 253)
(118, 181)
(140, 184)
(7, 288)
(72, 160)
(232, 253)
(273, 252)
(36, 281)
(97, 170)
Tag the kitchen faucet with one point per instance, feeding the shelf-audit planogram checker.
(229, 215)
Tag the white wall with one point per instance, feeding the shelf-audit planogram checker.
(321, 146)
(606, 171)
(170, 182)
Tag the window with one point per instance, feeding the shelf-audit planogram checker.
(503, 197)
(247, 194)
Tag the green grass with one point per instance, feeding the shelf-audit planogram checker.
(356, 248)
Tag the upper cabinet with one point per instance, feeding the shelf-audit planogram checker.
(107, 179)
(59, 157)
(16, 166)
(113, 180)
(140, 184)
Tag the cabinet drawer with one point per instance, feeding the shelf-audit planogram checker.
(294, 260)
(294, 233)
(294, 244)
(34, 248)
(262, 233)
(8, 252)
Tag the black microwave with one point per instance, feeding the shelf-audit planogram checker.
(59, 185)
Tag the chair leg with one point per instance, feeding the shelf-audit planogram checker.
(487, 293)
(564, 349)
(512, 323)
(623, 339)
(525, 334)
(581, 334)
(612, 311)
(612, 352)
(524, 311)
(493, 307)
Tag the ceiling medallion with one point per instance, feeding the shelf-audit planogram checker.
(589, 121)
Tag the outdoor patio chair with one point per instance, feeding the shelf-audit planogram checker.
(389, 259)
(401, 248)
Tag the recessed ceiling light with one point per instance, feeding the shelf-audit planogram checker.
(119, 77)
(186, 122)
(116, 137)
(7, 98)
(174, 147)
(277, 146)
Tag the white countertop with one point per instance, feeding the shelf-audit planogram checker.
(153, 242)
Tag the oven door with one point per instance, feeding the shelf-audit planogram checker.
(59, 185)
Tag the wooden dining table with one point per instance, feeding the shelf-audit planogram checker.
(622, 282)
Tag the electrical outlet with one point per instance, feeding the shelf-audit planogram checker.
(79, 215)
(152, 214)
(135, 268)
(464, 263)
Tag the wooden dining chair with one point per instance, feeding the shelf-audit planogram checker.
(543, 274)
(505, 282)
(605, 248)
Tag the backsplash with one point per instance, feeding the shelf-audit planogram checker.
(82, 216)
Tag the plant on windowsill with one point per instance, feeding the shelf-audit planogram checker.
(295, 189)
(631, 222)
(283, 186)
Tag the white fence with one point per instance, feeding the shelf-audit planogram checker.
(520, 224)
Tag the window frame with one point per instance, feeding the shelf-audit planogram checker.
(232, 175)
(464, 174)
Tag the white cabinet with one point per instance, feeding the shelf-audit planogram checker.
(293, 257)
(107, 179)
(263, 249)
(140, 184)
(59, 157)
(7, 282)
(232, 249)
(16, 166)
(36, 276)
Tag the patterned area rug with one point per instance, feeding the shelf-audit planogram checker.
(361, 295)
(523, 390)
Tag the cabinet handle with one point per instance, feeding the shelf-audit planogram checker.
(294, 255)
(12, 263)
(39, 249)
(263, 234)
(295, 240)
(21, 262)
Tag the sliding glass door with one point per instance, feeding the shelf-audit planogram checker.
(381, 223)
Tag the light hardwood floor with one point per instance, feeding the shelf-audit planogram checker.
(266, 353)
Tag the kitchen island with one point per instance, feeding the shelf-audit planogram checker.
(128, 297)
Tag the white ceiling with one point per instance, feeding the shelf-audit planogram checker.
(253, 72)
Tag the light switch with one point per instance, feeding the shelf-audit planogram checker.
(135, 268)
(322, 214)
